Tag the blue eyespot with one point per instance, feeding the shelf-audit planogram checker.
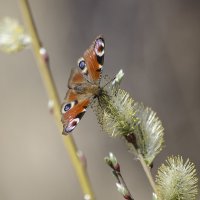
(67, 107)
(82, 64)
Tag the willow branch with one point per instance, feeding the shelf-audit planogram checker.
(53, 97)
(121, 180)
(148, 173)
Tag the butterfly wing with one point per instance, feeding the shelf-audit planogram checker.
(88, 73)
(73, 110)
(75, 102)
(91, 63)
(76, 78)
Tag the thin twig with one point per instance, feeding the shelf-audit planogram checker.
(131, 139)
(124, 184)
(112, 162)
(147, 172)
(53, 96)
(121, 181)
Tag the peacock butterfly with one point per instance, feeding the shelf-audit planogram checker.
(83, 84)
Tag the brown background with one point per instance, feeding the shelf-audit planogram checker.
(157, 45)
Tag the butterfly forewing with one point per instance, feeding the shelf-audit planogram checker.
(94, 58)
(83, 85)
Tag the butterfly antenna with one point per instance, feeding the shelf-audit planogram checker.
(109, 82)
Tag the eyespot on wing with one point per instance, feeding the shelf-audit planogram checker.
(72, 116)
(94, 59)
(70, 126)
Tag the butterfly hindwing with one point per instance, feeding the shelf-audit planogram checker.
(73, 110)
(76, 101)
(76, 78)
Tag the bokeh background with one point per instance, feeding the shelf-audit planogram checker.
(157, 45)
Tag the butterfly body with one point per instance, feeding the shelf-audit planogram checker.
(83, 84)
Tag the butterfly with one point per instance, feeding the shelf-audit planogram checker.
(83, 84)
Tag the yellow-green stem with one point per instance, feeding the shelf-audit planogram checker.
(148, 173)
(53, 96)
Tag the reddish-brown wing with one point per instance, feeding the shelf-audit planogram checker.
(75, 103)
(92, 62)
(73, 110)
(76, 78)
(81, 79)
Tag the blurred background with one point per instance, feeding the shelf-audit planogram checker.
(157, 45)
